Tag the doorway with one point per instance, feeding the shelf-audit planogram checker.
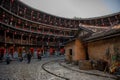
(70, 52)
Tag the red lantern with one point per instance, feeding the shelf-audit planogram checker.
(38, 51)
(3, 15)
(103, 24)
(54, 39)
(24, 10)
(12, 1)
(20, 50)
(11, 19)
(32, 50)
(7, 30)
(20, 12)
(36, 36)
(26, 24)
(14, 32)
(48, 39)
(17, 26)
(19, 21)
(51, 51)
(11, 50)
(2, 50)
(62, 50)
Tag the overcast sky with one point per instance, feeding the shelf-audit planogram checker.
(78, 8)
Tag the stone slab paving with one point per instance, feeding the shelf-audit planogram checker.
(22, 71)
(72, 75)
(97, 72)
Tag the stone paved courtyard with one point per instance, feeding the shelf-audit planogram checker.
(33, 71)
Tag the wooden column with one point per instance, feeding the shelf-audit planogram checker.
(5, 38)
(43, 30)
(21, 39)
(18, 10)
(13, 38)
(29, 39)
(36, 40)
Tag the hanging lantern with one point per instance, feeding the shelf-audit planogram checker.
(15, 33)
(7, 30)
(32, 13)
(51, 51)
(54, 39)
(22, 34)
(62, 50)
(26, 24)
(20, 12)
(38, 50)
(11, 50)
(2, 50)
(32, 50)
(43, 37)
(33, 17)
(103, 24)
(48, 39)
(24, 10)
(39, 19)
(20, 50)
(3, 15)
(36, 36)
(19, 21)
(11, 19)
(30, 35)
(12, 1)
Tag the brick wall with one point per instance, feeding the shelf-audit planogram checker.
(99, 49)
(77, 50)
(69, 46)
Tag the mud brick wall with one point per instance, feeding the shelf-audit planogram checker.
(78, 51)
(69, 46)
(104, 49)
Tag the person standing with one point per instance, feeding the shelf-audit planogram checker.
(29, 55)
(39, 55)
(0, 55)
(32, 51)
(2, 51)
(20, 54)
(11, 51)
(7, 57)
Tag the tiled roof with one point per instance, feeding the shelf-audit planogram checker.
(102, 35)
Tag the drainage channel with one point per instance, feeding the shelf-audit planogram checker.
(54, 74)
(87, 72)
